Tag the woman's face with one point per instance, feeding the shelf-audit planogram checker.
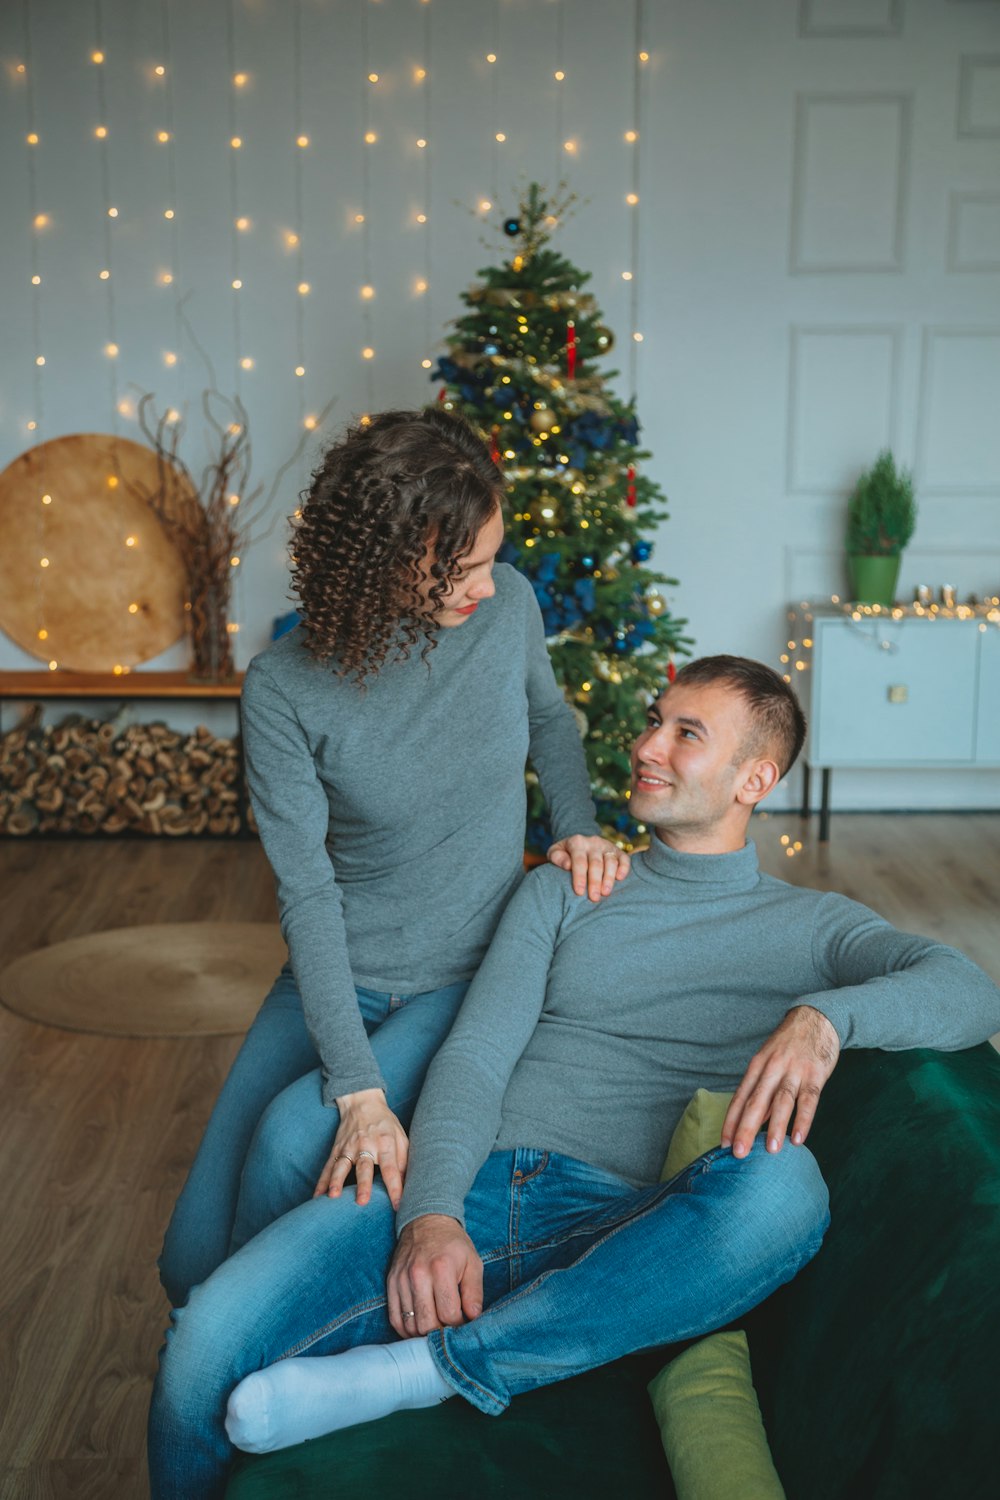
(474, 581)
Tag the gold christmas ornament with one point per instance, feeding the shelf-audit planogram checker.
(542, 421)
(655, 604)
(604, 337)
(503, 296)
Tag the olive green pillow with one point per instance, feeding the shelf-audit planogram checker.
(698, 1130)
(704, 1400)
(710, 1423)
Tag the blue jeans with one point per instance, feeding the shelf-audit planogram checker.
(579, 1269)
(270, 1133)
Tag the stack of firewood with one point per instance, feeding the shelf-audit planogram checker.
(86, 777)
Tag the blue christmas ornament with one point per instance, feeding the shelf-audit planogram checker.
(641, 550)
(586, 594)
(538, 836)
(282, 624)
(512, 227)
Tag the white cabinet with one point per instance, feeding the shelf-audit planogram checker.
(896, 689)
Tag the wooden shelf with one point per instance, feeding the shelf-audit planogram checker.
(151, 685)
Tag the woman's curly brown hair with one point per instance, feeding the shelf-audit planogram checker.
(380, 494)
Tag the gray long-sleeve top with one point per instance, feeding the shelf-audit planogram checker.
(588, 1028)
(393, 817)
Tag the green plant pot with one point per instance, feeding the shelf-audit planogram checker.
(873, 579)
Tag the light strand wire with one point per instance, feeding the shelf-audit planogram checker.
(174, 268)
(560, 113)
(495, 103)
(299, 209)
(105, 166)
(428, 228)
(36, 423)
(367, 314)
(637, 101)
(234, 196)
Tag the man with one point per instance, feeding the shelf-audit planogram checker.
(534, 1241)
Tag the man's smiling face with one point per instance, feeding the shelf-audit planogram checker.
(690, 762)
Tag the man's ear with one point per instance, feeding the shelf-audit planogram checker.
(762, 777)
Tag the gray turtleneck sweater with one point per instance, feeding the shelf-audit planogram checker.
(588, 1028)
(393, 816)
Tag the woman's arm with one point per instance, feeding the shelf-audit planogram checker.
(293, 814)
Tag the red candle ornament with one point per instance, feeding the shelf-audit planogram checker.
(494, 446)
(630, 489)
(442, 393)
(571, 349)
(671, 669)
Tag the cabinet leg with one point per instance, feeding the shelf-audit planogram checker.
(806, 808)
(824, 811)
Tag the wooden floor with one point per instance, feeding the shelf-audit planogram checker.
(97, 1132)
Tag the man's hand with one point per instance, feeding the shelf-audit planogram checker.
(788, 1072)
(369, 1136)
(595, 863)
(435, 1279)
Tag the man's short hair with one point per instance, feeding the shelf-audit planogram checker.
(777, 722)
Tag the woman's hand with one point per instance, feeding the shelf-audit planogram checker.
(595, 863)
(369, 1136)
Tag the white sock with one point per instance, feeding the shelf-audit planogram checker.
(305, 1398)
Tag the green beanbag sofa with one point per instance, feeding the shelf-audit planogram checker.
(875, 1369)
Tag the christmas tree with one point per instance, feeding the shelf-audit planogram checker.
(523, 367)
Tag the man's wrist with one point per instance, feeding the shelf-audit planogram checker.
(405, 1220)
(821, 1020)
(427, 1220)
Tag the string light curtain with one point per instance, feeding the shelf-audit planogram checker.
(402, 122)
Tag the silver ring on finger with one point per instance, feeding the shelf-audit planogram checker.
(370, 1155)
(410, 1314)
(343, 1156)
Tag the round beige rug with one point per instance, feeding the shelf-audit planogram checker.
(171, 979)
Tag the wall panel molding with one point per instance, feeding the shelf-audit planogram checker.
(828, 18)
(979, 118)
(966, 212)
(956, 420)
(858, 190)
(851, 406)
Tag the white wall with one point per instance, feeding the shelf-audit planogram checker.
(818, 251)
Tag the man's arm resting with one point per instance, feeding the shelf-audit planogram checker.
(787, 1073)
(435, 1279)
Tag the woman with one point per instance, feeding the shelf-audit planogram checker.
(385, 742)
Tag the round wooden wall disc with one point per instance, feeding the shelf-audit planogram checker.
(106, 552)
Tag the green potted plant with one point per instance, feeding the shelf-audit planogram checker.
(881, 515)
